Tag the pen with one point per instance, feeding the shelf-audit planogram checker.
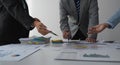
(53, 33)
(68, 38)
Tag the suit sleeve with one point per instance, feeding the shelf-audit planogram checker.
(114, 20)
(93, 16)
(63, 17)
(16, 10)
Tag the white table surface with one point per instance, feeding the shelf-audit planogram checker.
(46, 56)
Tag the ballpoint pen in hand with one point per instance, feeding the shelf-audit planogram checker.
(53, 33)
(68, 38)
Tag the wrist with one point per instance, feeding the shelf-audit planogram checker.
(36, 23)
(36, 19)
(106, 25)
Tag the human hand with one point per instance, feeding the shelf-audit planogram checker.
(66, 34)
(98, 28)
(37, 19)
(90, 40)
(41, 27)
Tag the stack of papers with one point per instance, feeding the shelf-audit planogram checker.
(35, 40)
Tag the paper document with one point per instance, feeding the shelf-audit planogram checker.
(17, 52)
(91, 52)
(90, 55)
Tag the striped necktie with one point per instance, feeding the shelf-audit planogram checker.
(77, 3)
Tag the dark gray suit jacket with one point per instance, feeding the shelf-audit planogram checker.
(15, 21)
(88, 16)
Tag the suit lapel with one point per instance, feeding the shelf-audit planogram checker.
(82, 2)
(72, 6)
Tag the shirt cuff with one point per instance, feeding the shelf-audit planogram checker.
(111, 26)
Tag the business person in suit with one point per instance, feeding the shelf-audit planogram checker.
(15, 21)
(75, 18)
(111, 24)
